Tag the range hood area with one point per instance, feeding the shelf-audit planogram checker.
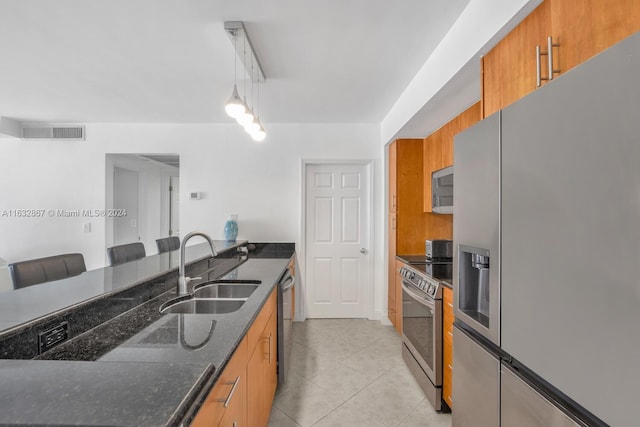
(547, 191)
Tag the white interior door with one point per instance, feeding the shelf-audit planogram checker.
(337, 240)
(125, 196)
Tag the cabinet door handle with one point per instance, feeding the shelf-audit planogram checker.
(538, 67)
(267, 354)
(450, 367)
(450, 305)
(450, 334)
(393, 223)
(549, 55)
(227, 401)
(550, 46)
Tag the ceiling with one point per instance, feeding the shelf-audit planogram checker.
(170, 61)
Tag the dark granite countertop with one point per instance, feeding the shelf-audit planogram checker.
(95, 394)
(146, 368)
(23, 305)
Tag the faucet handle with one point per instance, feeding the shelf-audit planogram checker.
(189, 279)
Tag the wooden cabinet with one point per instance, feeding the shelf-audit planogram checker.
(447, 349)
(585, 28)
(509, 69)
(227, 400)
(398, 296)
(243, 394)
(262, 365)
(391, 265)
(409, 190)
(432, 161)
(582, 28)
(406, 219)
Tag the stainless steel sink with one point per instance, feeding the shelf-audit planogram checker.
(201, 306)
(224, 290)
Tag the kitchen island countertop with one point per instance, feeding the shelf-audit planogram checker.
(160, 375)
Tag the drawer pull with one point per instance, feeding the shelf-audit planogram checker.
(227, 401)
(267, 354)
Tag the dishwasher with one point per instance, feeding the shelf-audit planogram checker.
(285, 323)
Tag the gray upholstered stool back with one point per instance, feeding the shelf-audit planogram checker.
(168, 244)
(125, 253)
(40, 270)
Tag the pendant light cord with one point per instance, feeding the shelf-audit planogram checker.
(235, 56)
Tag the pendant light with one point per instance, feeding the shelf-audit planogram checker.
(257, 131)
(246, 116)
(234, 106)
(237, 107)
(251, 125)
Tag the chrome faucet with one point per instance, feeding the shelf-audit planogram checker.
(183, 281)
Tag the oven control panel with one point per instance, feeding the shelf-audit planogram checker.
(425, 284)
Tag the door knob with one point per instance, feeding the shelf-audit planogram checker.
(363, 251)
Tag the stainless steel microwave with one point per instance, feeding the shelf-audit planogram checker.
(442, 191)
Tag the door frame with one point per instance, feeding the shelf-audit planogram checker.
(369, 296)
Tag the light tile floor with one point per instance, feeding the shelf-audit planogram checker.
(350, 372)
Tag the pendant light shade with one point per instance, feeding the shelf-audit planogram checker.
(245, 118)
(235, 106)
(259, 135)
(252, 127)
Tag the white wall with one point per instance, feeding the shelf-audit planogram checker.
(479, 27)
(259, 182)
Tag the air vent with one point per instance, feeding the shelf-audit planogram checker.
(69, 133)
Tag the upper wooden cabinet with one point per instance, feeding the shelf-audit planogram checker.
(509, 69)
(581, 28)
(585, 28)
(408, 189)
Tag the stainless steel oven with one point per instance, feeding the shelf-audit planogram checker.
(422, 332)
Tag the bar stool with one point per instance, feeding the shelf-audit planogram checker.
(125, 253)
(41, 270)
(167, 244)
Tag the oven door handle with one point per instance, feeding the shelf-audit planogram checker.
(424, 301)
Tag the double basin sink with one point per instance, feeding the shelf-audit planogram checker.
(213, 297)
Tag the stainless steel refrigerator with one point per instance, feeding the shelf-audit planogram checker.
(547, 261)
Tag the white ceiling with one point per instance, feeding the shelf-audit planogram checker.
(171, 61)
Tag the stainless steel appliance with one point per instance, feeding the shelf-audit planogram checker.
(422, 332)
(476, 382)
(439, 250)
(442, 191)
(536, 185)
(285, 323)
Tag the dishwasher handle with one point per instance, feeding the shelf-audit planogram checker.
(291, 281)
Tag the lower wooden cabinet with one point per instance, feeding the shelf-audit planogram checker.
(244, 392)
(447, 349)
(398, 296)
(227, 400)
(262, 365)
